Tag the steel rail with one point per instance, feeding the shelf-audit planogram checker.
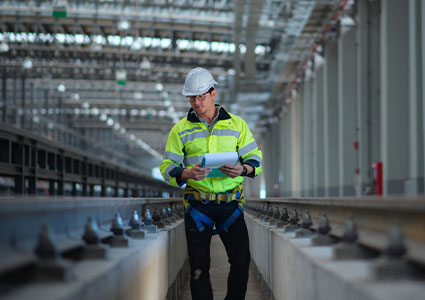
(21, 220)
(374, 216)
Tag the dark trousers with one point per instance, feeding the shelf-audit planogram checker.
(236, 243)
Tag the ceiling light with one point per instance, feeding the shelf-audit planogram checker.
(167, 103)
(347, 21)
(138, 96)
(27, 64)
(36, 119)
(123, 131)
(123, 25)
(61, 88)
(117, 126)
(231, 72)
(145, 64)
(103, 117)
(159, 87)
(164, 94)
(4, 47)
(95, 47)
(132, 137)
(110, 122)
(86, 105)
(76, 96)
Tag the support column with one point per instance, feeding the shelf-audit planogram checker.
(4, 98)
(347, 110)
(268, 166)
(307, 139)
(23, 102)
(394, 95)
(368, 92)
(414, 184)
(285, 146)
(423, 73)
(330, 107)
(318, 146)
(295, 147)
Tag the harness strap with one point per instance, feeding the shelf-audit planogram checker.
(200, 219)
(230, 220)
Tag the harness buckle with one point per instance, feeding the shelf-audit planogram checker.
(229, 196)
(204, 201)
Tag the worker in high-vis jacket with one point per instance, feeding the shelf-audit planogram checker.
(213, 205)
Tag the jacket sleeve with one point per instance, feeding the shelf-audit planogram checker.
(172, 163)
(248, 150)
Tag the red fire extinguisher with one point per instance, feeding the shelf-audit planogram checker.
(377, 177)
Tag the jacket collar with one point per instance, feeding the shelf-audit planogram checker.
(222, 115)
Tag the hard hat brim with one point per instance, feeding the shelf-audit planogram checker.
(200, 92)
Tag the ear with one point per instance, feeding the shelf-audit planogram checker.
(213, 94)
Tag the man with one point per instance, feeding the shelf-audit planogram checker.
(209, 128)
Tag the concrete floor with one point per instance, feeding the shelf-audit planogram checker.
(218, 273)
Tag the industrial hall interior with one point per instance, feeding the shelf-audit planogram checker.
(191, 149)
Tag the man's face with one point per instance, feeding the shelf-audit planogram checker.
(201, 104)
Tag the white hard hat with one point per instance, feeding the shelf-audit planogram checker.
(198, 81)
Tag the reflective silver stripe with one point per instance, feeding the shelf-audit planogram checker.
(174, 157)
(254, 157)
(189, 130)
(226, 132)
(192, 160)
(168, 170)
(195, 135)
(248, 148)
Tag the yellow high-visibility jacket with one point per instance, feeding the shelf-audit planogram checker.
(190, 139)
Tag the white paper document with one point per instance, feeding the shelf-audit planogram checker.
(214, 161)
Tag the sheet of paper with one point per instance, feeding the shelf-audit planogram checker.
(214, 161)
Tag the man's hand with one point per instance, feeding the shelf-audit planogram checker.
(232, 170)
(196, 173)
(235, 170)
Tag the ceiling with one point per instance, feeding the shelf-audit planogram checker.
(117, 66)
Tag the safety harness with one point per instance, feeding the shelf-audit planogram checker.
(201, 219)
